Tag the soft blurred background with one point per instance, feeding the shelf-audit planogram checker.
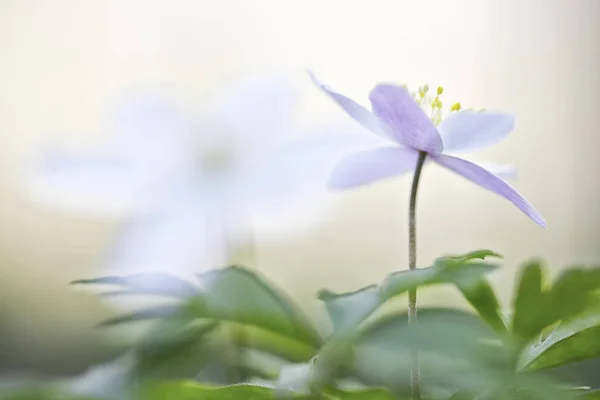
(64, 64)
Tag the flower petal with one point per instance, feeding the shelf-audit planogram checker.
(491, 182)
(472, 130)
(504, 171)
(151, 132)
(179, 232)
(87, 183)
(355, 110)
(253, 114)
(409, 124)
(369, 166)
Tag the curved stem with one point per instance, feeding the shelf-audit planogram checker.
(415, 375)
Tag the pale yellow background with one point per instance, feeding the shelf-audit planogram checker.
(63, 64)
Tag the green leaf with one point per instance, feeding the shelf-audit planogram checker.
(145, 314)
(455, 347)
(39, 392)
(171, 348)
(536, 307)
(530, 303)
(193, 391)
(154, 283)
(347, 310)
(592, 395)
(482, 297)
(462, 258)
(238, 295)
(573, 340)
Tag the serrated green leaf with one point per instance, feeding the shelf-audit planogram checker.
(151, 283)
(573, 340)
(347, 310)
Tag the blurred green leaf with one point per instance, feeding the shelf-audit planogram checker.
(591, 395)
(195, 391)
(482, 297)
(347, 310)
(530, 303)
(239, 295)
(145, 314)
(40, 392)
(152, 283)
(462, 258)
(573, 340)
(171, 348)
(537, 307)
(456, 347)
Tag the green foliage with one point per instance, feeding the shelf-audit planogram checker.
(237, 337)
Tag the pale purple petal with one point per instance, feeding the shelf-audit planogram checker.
(87, 183)
(504, 171)
(472, 130)
(491, 182)
(409, 124)
(255, 113)
(372, 165)
(151, 132)
(180, 233)
(360, 114)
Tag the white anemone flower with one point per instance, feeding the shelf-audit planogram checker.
(191, 191)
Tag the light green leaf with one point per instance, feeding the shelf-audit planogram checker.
(573, 340)
(347, 310)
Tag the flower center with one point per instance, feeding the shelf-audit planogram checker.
(431, 104)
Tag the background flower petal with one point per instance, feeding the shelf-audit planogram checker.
(179, 233)
(254, 115)
(491, 182)
(86, 183)
(409, 124)
(369, 166)
(472, 130)
(360, 114)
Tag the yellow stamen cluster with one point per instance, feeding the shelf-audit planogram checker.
(432, 105)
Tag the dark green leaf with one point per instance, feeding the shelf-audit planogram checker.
(195, 391)
(482, 297)
(154, 283)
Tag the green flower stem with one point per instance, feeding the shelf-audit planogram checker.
(415, 375)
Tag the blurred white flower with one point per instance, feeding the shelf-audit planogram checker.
(192, 191)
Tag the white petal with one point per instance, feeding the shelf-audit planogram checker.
(471, 130)
(253, 114)
(151, 132)
(88, 183)
(181, 234)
